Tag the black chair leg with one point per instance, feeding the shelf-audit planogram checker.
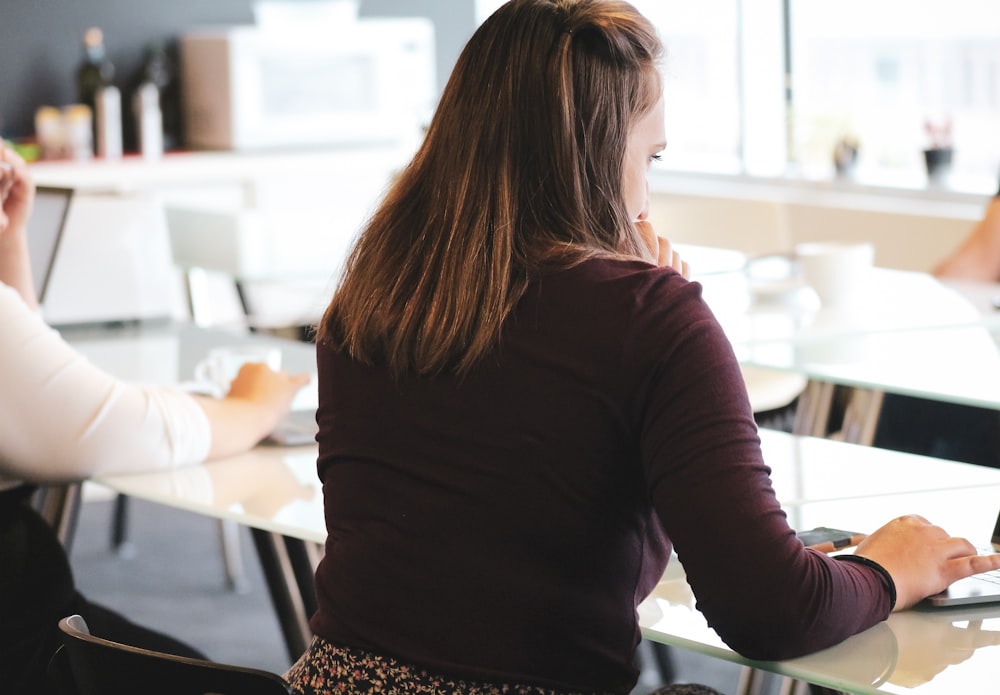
(119, 527)
(664, 662)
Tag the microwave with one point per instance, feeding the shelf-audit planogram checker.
(246, 87)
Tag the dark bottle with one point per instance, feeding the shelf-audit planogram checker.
(95, 70)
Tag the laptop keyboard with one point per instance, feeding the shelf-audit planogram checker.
(298, 427)
(993, 576)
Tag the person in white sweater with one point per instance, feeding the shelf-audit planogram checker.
(63, 419)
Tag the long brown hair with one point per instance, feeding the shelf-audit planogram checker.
(523, 158)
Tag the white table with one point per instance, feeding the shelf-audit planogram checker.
(914, 335)
(920, 651)
(762, 306)
(820, 482)
(277, 489)
(958, 364)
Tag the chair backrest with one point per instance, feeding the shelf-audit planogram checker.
(90, 665)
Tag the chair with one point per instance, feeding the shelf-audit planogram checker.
(59, 505)
(89, 665)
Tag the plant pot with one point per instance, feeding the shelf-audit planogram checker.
(938, 161)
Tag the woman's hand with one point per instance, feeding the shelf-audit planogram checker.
(922, 558)
(17, 195)
(17, 192)
(662, 252)
(259, 397)
(272, 390)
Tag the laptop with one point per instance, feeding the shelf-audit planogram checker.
(299, 427)
(45, 231)
(979, 588)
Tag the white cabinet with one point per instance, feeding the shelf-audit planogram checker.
(279, 223)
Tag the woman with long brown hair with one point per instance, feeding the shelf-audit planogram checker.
(524, 404)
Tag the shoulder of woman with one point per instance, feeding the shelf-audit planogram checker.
(640, 279)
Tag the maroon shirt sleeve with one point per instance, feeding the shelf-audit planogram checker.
(766, 595)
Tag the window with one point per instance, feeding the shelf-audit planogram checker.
(701, 82)
(745, 96)
(898, 76)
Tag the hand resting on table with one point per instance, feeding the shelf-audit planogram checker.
(922, 558)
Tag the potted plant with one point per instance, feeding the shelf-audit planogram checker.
(845, 156)
(938, 154)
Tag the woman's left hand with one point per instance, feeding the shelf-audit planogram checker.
(662, 251)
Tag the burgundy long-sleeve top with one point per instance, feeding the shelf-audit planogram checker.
(504, 526)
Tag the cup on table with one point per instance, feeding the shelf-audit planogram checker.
(836, 270)
(220, 367)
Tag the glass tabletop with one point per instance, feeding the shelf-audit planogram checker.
(957, 364)
(751, 311)
(921, 651)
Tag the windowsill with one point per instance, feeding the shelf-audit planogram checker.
(932, 201)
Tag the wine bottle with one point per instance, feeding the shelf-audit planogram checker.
(95, 71)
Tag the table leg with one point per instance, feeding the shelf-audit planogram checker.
(281, 559)
(790, 686)
(751, 681)
(861, 416)
(195, 288)
(812, 414)
(232, 557)
(857, 424)
(241, 293)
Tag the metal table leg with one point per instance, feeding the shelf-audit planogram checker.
(286, 564)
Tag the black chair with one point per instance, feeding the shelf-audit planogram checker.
(89, 665)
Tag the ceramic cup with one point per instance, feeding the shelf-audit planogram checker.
(837, 271)
(222, 364)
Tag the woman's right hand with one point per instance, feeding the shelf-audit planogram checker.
(922, 558)
(17, 191)
(259, 397)
(662, 251)
(271, 390)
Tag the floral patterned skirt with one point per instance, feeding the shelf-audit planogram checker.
(326, 668)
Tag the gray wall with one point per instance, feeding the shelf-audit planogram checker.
(40, 41)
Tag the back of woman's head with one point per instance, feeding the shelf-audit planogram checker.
(522, 162)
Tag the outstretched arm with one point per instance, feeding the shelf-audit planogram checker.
(978, 256)
(63, 418)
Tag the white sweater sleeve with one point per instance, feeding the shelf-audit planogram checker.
(62, 418)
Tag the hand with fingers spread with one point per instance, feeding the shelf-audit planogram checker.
(922, 558)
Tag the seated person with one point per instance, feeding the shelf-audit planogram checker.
(949, 430)
(525, 405)
(978, 256)
(62, 419)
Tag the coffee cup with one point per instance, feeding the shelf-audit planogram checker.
(217, 370)
(837, 271)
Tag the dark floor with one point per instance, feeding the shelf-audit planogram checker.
(173, 579)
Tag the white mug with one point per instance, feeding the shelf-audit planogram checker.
(216, 371)
(837, 271)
